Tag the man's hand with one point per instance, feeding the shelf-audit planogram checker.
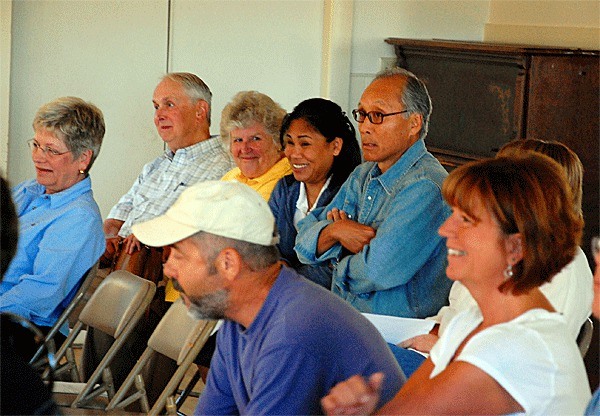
(132, 244)
(350, 234)
(336, 215)
(355, 396)
(111, 229)
(423, 343)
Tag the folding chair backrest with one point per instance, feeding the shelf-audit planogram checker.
(114, 308)
(176, 333)
(115, 301)
(85, 283)
(177, 336)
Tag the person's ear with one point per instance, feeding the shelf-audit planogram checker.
(84, 159)
(416, 124)
(201, 110)
(229, 263)
(338, 143)
(514, 248)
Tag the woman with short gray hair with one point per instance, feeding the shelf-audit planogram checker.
(60, 224)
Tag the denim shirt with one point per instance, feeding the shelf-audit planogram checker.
(401, 271)
(60, 238)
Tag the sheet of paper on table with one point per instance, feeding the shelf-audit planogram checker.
(395, 329)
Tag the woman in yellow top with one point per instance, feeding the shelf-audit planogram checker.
(250, 126)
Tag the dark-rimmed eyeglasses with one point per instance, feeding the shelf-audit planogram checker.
(375, 117)
(48, 151)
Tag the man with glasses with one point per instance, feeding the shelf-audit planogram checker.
(379, 234)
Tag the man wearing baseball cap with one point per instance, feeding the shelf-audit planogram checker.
(285, 341)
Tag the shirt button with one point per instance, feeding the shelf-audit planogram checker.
(369, 198)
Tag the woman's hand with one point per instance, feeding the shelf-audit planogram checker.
(423, 343)
(355, 396)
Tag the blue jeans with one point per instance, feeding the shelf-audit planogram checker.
(408, 359)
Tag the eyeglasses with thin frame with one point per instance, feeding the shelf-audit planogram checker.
(48, 151)
(375, 117)
(595, 246)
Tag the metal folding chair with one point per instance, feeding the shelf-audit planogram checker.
(115, 308)
(39, 361)
(177, 336)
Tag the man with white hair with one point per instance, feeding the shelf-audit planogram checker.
(285, 341)
(182, 109)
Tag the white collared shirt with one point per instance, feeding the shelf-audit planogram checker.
(302, 209)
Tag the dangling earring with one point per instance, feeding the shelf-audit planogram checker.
(508, 272)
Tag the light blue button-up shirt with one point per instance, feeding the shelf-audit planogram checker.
(60, 238)
(401, 271)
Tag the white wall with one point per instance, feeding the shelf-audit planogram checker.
(270, 46)
(566, 23)
(108, 52)
(375, 20)
(113, 52)
(5, 38)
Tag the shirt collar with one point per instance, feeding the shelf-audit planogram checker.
(278, 170)
(399, 169)
(195, 151)
(60, 198)
(302, 203)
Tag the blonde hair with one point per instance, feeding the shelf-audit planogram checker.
(560, 153)
(249, 107)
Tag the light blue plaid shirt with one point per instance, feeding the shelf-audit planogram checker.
(165, 178)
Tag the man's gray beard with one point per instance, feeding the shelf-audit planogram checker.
(210, 306)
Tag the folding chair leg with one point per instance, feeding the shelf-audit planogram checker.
(73, 365)
(188, 389)
(170, 406)
(109, 384)
(141, 387)
(168, 391)
(121, 398)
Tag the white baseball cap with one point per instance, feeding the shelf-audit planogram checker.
(226, 208)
